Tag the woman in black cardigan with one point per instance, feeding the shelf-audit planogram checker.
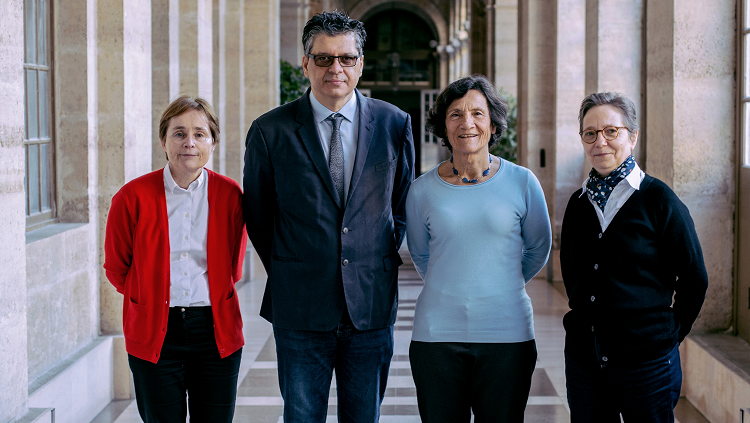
(634, 273)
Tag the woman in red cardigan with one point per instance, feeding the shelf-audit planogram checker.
(174, 248)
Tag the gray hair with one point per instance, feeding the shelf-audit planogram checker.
(497, 106)
(333, 24)
(616, 100)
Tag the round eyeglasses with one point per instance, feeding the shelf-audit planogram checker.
(326, 61)
(609, 132)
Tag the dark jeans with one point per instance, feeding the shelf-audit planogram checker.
(189, 362)
(642, 393)
(455, 378)
(306, 361)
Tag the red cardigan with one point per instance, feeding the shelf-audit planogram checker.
(136, 249)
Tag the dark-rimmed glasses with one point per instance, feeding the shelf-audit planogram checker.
(609, 132)
(323, 61)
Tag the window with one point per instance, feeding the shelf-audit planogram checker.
(38, 146)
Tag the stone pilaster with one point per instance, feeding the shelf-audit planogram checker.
(536, 92)
(260, 67)
(162, 57)
(14, 367)
(232, 147)
(614, 55)
(690, 115)
(502, 44)
(569, 91)
(124, 121)
(182, 57)
(293, 16)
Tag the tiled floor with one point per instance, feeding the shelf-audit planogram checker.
(259, 400)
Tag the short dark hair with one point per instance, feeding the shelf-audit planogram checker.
(333, 24)
(498, 107)
(616, 100)
(186, 103)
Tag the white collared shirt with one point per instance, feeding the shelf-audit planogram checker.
(187, 213)
(618, 197)
(349, 132)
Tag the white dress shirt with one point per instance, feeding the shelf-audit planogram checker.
(349, 131)
(618, 197)
(187, 212)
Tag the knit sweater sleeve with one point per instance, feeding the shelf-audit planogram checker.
(686, 261)
(535, 229)
(417, 231)
(118, 242)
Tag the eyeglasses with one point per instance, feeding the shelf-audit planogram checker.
(609, 132)
(326, 61)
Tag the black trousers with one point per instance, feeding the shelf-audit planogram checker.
(455, 378)
(189, 363)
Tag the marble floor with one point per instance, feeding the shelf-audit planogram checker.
(259, 400)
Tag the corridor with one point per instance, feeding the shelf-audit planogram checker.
(259, 400)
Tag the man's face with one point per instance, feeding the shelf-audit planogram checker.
(333, 85)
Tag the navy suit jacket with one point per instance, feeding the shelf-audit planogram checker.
(316, 253)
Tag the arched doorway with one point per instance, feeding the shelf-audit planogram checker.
(401, 64)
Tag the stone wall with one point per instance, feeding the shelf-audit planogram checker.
(61, 310)
(13, 374)
(690, 121)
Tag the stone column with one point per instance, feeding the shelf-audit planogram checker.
(123, 117)
(550, 85)
(537, 74)
(569, 155)
(228, 88)
(293, 16)
(444, 65)
(218, 37)
(502, 44)
(614, 55)
(233, 137)
(164, 89)
(71, 107)
(260, 67)
(14, 368)
(690, 119)
(182, 56)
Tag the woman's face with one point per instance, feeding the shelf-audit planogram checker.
(188, 143)
(467, 123)
(605, 155)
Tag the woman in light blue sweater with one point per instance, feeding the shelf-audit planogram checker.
(478, 230)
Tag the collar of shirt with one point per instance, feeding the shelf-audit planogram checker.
(321, 112)
(170, 185)
(620, 194)
(634, 179)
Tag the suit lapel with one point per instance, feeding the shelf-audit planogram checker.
(308, 133)
(364, 139)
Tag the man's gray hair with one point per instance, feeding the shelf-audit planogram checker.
(333, 24)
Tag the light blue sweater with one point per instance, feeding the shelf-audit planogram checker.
(476, 247)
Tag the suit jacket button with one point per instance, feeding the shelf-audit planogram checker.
(345, 262)
(345, 231)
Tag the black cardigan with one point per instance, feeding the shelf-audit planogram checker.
(621, 282)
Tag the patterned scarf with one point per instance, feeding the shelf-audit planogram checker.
(599, 188)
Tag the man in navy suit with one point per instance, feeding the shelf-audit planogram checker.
(325, 183)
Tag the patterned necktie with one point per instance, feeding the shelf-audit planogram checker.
(336, 157)
(599, 188)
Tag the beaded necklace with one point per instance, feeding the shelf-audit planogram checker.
(472, 181)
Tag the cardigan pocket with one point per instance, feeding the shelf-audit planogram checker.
(133, 326)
